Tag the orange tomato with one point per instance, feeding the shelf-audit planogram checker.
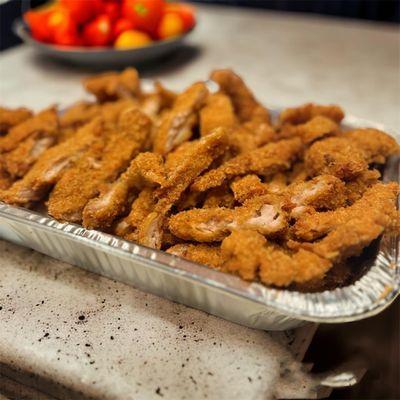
(171, 25)
(144, 14)
(186, 11)
(98, 32)
(131, 39)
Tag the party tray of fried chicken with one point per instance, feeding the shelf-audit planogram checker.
(286, 209)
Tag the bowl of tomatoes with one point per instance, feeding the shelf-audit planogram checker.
(107, 31)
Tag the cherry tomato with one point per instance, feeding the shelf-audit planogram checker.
(82, 10)
(112, 8)
(62, 27)
(98, 32)
(171, 25)
(185, 11)
(131, 39)
(145, 14)
(122, 25)
(37, 22)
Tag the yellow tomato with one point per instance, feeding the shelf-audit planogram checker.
(171, 25)
(132, 38)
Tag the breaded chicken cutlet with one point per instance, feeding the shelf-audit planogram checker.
(207, 175)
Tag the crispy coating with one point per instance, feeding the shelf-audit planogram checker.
(200, 253)
(316, 128)
(101, 166)
(151, 231)
(322, 192)
(45, 122)
(298, 173)
(242, 250)
(243, 100)
(52, 165)
(356, 188)
(20, 160)
(78, 114)
(219, 197)
(5, 179)
(177, 125)
(376, 145)
(217, 112)
(114, 85)
(250, 256)
(335, 156)
(192, 163)
(10, 117)
(302, 114)
(377, 203)
(266, 161)
(152, 168)
(214, 224)
(142, 206)
(248, 187)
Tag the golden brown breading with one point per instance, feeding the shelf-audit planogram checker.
(177, 125)
(51, 166)
(20, 160)
(199, 253)
(10, 117)
(323, 192)
(78, 114)
(376, 145)
(152, 168)
(248, 187)
(103, 165)
(219, 197)
(142, 206)
(244, 102)
(114, 85)
(45, 122)
(266, 161)
(250, 256)
(302, 114)
(192, 163)
(298, 173)
(241, 250)
(335, 156)
(377, 203)
(356, 188)
(214, 224)
(217, 112)
(5, 179)
(316, 128)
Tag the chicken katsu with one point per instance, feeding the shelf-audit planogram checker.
(207, 175)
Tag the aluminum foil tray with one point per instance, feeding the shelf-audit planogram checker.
(221, 294)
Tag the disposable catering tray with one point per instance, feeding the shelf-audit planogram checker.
(221, 294)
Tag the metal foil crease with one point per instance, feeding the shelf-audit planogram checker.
(224, 295)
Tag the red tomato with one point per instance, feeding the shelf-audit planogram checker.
(122, 25)
(185, 11)
(145, 14)
(98, 32)
(61, 25)
(37, 22)
(82, 10)
(112, 8)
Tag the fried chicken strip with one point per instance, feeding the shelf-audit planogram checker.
(266, 161)
(114, 85)
(199, 253)
(217, 112)
(302, 114)
(316, 128)
(250, 256)
(45, 122)
(52, 165)
(377, 204)
(11, 117)
(214, 224)
(177, 125)
(244, 102)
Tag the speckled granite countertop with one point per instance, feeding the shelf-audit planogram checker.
(72, 332)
